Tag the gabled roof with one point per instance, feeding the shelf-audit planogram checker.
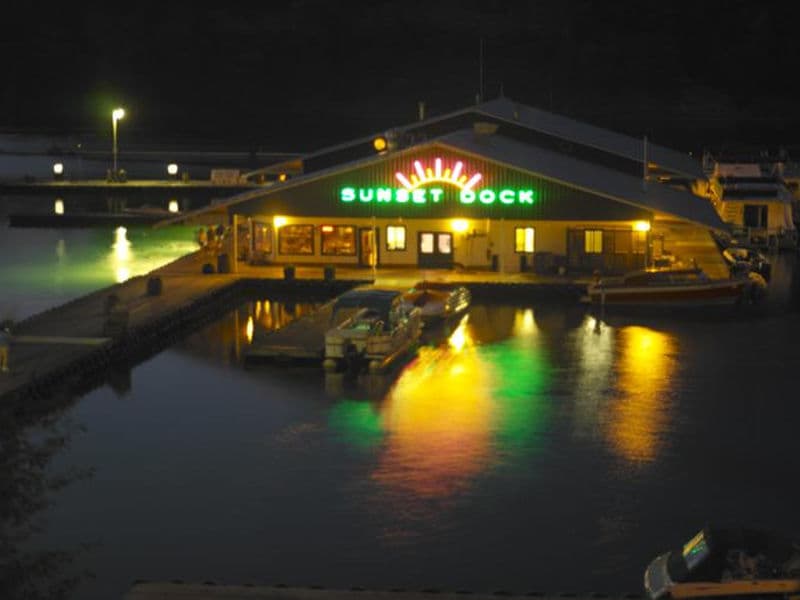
(571, 172)
(586, 176)
(551, 124)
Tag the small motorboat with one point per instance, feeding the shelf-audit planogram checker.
(438, 301)
(742, 260)
(720, 562)
(674, 288)
(370, 329)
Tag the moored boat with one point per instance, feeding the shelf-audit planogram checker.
(371, 328)
(438, 301)
(674, 288)
(727, 562)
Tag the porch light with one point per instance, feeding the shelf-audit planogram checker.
(641, 226)
(459, 225)
(172, 169)
(279, 222)
(58, 206)
(58, 169)
(173, 206)
(380, 144)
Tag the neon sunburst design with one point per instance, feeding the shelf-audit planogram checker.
(425, 175)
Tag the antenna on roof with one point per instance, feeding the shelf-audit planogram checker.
(480, 73)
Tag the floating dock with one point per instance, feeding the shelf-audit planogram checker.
(303, 339)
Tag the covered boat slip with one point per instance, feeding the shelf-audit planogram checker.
(478, 198)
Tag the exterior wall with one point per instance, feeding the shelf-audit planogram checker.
(484, 244)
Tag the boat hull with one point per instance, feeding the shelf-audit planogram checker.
(710, 294)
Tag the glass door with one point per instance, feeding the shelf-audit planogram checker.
(435, 249)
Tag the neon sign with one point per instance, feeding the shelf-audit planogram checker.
(415, 188)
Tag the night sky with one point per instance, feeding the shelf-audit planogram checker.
(297, 75)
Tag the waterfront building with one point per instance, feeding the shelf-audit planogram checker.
(498, 185)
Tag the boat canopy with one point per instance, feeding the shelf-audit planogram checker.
(380, 301)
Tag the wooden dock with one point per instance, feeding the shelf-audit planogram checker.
(303, 339)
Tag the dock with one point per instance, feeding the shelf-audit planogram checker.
(71, 348)
(213, 591)
(303, 339)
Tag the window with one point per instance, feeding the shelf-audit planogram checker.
(593, 241)
(524, 239)
(622, 241)
(426, 243)
(262, 238)
(338, 240)
(296, 239)
(445, 243)
(395, 237)
(639, 242)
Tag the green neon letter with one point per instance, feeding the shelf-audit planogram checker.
(418, 195)
(436, 194)
(525, 197)
(401, 195)
(507, 196)
(486, 196)
(467, 196)
(384, 194)
(365, 194)
(348, 194)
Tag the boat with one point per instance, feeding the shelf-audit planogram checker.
(370, 329)
(438, 301)
(674, 288)
(742, 260)
(727, 562)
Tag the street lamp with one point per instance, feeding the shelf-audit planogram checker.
(116, 115)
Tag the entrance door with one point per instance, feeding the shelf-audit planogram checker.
(367, 247)
(435, 249)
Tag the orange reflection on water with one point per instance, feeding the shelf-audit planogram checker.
(638, 418)
(438, 418)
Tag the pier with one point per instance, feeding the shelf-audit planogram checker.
(71, 346)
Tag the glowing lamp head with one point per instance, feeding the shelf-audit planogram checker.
(643, 226)
(380, 144)
(459, 225)
(173, 206)
(58, 207)
(58, 169)
(282, 177)
(118, 113)
(279, 222)
(172, 169)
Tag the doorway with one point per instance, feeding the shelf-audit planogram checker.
(367, 247)
(435, 249)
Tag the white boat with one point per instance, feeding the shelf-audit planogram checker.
(438, 301)
(673, 288)
(371, 328)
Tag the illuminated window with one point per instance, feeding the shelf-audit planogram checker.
(338, 240)
(426, 243)
(262, 238)
(445, 243)
(296, 239)
(396, 237)
(593, 241)
(524, 239)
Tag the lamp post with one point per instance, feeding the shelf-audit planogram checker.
(116, 115)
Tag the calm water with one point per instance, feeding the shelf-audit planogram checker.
(535, 448)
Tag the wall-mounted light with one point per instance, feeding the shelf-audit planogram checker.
(58, 170)
(641, 226)
(380, 144)
(58, 206)
(459, 225)
(279, 222)
(172, 169)
(173, 206)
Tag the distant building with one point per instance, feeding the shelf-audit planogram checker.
(498, 185)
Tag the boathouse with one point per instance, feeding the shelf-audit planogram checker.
(498, 185)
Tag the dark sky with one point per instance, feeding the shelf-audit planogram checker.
(298, 75)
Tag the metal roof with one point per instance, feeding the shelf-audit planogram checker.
(559, 126)
(586, 176)
(571, 172)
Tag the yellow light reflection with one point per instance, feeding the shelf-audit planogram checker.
(439, 418)
(638, 418)
(122, 255)
(524, 324)
(249, 329)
